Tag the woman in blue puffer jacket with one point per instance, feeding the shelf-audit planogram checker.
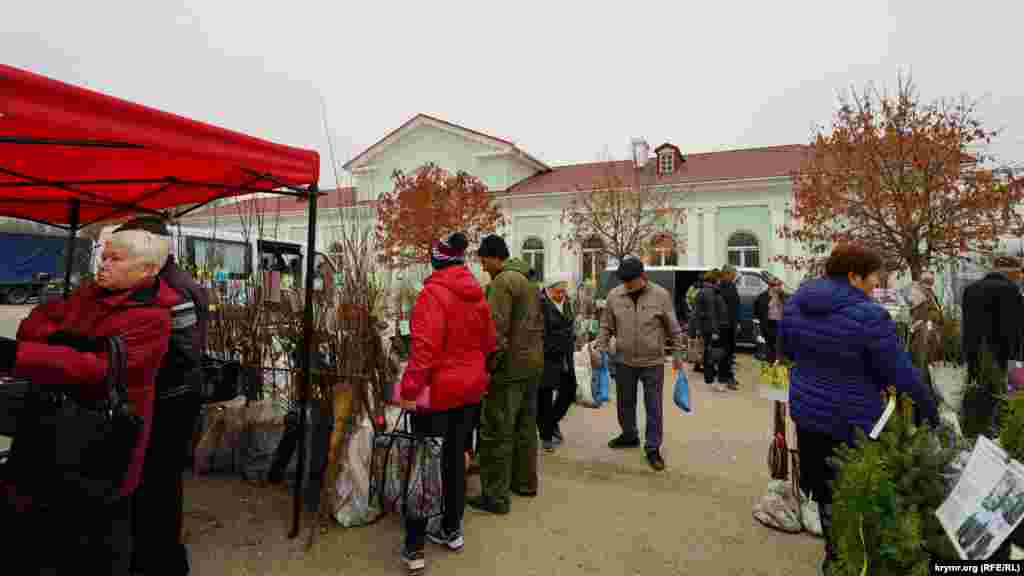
(845, 353)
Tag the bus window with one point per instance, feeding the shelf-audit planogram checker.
(213, 256)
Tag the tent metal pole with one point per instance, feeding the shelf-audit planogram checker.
(310, 353)
(69, 250)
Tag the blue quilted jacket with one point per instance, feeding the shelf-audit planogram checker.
(846, 351)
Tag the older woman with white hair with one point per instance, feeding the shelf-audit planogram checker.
(558, 388)
(63, 344)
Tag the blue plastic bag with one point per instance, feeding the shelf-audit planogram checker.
(599, 381)
(681, 394)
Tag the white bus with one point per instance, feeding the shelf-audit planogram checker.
(222, 259)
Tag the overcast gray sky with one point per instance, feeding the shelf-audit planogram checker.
(563, 79)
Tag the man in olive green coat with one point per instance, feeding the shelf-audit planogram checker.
(508, 423)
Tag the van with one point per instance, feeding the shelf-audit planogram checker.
(750, 283)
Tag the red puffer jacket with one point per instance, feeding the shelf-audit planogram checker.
(452, 334)
(142, 318)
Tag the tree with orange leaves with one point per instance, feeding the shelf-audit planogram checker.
(428, 205)
(625, 218)
(904, 178)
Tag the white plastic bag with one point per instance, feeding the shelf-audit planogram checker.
(809, 515)
(584, 375)
(779, 508)
(352, 489)
(949, 381)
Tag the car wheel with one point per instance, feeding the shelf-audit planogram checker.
(17, 296)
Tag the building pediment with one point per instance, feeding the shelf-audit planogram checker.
(484, 146)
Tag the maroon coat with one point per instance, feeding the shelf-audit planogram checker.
(142, 318)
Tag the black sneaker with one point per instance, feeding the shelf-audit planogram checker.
(655, 460)
(415, 562)
(623, 441)
(453, 541)
(484, 504)
(548, 445)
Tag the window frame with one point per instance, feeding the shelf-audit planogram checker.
(530, 254)
(666, 158)
(747, 255)
(596, 255)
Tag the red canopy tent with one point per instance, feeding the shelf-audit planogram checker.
(71, 157)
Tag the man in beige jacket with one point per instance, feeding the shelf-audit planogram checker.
(641, 317)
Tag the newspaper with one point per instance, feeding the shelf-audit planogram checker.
(986, 504)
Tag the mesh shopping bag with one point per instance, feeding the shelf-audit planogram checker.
(406, 472)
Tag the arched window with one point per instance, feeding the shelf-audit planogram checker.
(533, 254)
(744, 251)
(662, 251)
(594, 260)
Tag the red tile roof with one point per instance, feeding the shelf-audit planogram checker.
(271, 205)
(727, 165)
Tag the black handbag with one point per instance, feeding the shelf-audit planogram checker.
(69, 449)
(221, 381)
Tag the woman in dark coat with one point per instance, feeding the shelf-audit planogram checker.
(845, 353)
(559, 370)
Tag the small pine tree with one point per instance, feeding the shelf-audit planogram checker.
(984, 397)
(885, 498)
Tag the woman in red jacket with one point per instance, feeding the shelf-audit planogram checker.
(60, 344)
(452, 333)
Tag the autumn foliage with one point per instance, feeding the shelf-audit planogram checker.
(625, 218)
(428, 205)
(902, 177)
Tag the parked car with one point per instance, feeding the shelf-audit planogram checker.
(750, 282)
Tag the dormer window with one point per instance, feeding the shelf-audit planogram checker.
(666, 162)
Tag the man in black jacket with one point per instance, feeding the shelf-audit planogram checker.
(727, 288)
(559, 379)
(992, 313)
(709, 315)
(159, 499)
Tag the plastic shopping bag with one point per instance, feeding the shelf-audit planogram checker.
(599, 382)
(352, 503)
(681, 393)
(584, 377)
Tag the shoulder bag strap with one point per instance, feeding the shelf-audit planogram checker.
(116, 365)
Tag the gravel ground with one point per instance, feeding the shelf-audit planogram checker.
(598, 512)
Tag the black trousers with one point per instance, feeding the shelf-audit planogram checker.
(728, 343)
(816, 475)
(286, 447)
(473, 431)
(770, 333)
(159, 502)
(452, 425)
(79, 538)
(554, 404)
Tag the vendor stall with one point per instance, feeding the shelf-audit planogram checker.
(71, 157)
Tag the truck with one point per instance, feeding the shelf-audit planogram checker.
(32, 265)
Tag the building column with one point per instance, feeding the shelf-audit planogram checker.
(711, 256)
(775, 244)
(693, 237)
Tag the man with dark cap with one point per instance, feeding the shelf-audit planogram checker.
(508, 424)
(727, 288)
(158, 501)
(640, 315)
